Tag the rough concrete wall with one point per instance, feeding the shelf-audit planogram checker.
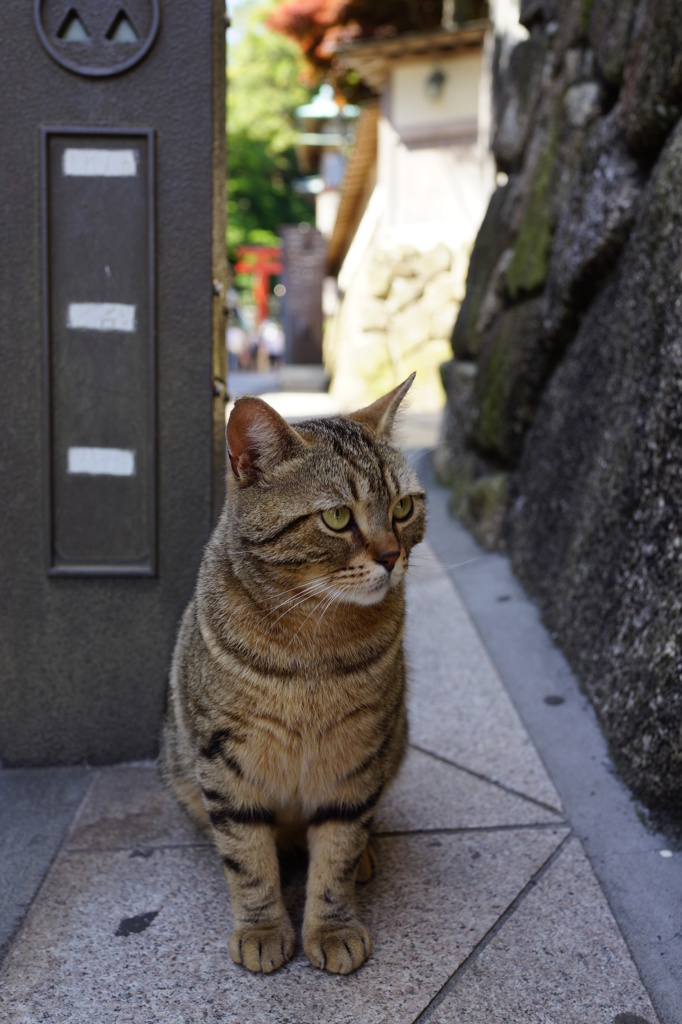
(569, 342)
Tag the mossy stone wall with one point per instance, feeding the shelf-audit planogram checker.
(568, 437)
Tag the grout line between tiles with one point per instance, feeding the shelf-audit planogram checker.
(394, 834)
(445, 990)
(486, 778)
(152, 847)
(470, 829)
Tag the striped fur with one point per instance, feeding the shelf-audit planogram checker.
(286, 711)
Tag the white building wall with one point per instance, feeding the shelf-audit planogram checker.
(440, 194)
(436, 177)
(456, 105)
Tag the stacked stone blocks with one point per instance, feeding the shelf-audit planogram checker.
(564, 417)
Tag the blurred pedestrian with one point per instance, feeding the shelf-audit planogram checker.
(236, 346)
(272, 335)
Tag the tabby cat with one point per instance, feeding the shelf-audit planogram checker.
(286, 711)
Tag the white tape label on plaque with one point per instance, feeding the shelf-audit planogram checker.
(101, 461)
(101, 316)
(99, 163)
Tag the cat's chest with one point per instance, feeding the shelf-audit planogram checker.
(300, 727)
(301, 749)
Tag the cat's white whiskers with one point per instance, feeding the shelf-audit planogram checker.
(325, 602)
(417, 566)
(293, 604)
(310, 583)
(334, 596)
(300, 595)
(308, 593)
(458, 565)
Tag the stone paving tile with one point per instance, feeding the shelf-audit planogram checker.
(433, 900)
(558, 959)
(429, 794)
(36, 809)
(458, 707)
(128, 806)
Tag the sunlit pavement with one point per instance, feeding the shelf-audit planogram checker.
(507, 851)
(416, 429)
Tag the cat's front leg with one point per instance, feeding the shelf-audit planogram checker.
(262, 938)
(334, 939)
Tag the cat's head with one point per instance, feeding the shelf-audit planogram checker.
(329, 505)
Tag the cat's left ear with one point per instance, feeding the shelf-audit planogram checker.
(258, 439)
(381, 414)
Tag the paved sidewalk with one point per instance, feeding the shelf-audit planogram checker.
(485, 908)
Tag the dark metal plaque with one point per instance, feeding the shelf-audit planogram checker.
(98, 251)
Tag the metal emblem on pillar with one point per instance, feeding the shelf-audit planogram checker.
(96, 37)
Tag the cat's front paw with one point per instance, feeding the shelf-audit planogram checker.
(339, 949)
(264, 947)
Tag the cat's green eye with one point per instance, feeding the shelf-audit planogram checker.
(403, 508)
(337, 518)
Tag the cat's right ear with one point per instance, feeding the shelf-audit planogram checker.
(258, 438)
(380, 415)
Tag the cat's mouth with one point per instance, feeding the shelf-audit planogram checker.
(368, 596)
(371, 591)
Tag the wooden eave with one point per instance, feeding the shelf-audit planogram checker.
(360, 163)
(371, 59)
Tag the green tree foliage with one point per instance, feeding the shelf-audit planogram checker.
(263, 91)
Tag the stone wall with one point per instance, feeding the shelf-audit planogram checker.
(564, 421)
(396, 318)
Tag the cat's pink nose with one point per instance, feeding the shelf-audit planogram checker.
(388, 559)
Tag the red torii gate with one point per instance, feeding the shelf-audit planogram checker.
(262, 261)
